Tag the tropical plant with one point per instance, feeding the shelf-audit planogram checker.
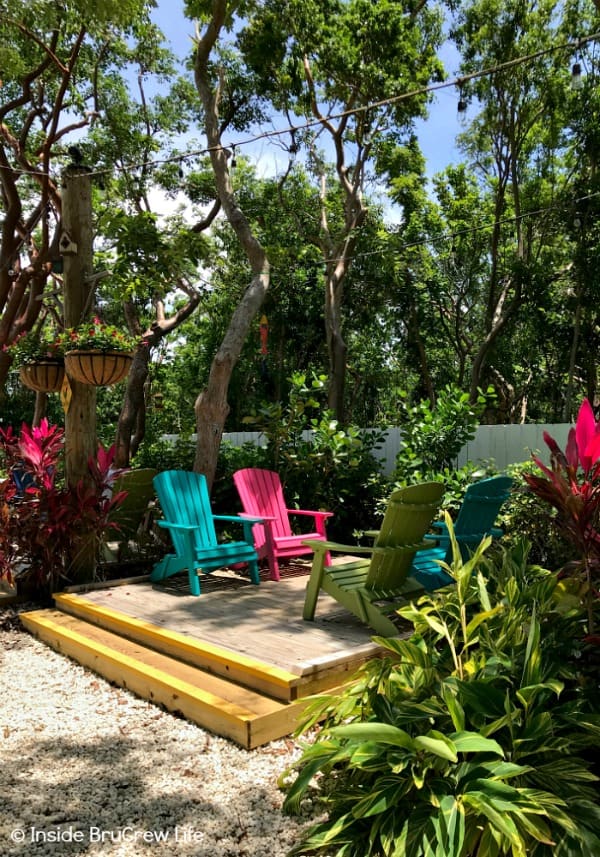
(470, 739)
(96, 335)
(44, 523)
(572, 486)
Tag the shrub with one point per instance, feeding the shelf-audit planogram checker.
(166, 455)
(526, 516)
(432, 438)
(322, 464)
(472, 738)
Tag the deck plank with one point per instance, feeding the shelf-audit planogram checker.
(263, 622)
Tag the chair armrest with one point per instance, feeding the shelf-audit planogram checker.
(239, 519)
(263, 518)
(428, 540)
(185, 528)
(320, 546)
(307, 512)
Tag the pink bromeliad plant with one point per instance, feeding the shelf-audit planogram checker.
(571, 484)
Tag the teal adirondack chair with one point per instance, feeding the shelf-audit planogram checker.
(374, 587)
(476, 518)
(183, 497)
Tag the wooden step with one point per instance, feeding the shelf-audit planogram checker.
(218, 704)
(258, 676)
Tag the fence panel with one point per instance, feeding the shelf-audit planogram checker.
(509, 444)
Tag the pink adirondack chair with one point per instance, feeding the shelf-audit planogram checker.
(262, 496)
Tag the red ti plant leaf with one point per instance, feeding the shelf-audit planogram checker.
(585, 430)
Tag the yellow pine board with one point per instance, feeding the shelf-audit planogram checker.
(237, 666)
(218, 705)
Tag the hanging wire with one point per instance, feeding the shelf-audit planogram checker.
(289, 129)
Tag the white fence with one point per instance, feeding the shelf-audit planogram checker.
(509, 444)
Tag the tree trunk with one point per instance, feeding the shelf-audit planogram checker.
(41, 402)
(336, 346)
(80, 416)
(133, 403)
(211, 406)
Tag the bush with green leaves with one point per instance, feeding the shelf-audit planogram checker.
(224, 497)
(527, 516)
(474, 738)
(165, 454)
(432, 437)
(322, 464)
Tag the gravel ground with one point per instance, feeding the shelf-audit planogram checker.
(88, 768)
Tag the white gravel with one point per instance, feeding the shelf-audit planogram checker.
(88, 768)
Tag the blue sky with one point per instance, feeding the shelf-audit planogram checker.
(436, 134)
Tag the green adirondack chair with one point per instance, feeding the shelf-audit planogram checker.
(476, 518)
(140, 491)
(131, 517)
(374, 587)
(184, 500)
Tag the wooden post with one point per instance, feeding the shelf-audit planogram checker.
(76, 245)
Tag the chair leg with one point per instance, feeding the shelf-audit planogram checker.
(193, 580)
(273, 567)
(253, 569)
(313, 587)
(190, 561)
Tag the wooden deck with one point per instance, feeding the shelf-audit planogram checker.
(239, 659)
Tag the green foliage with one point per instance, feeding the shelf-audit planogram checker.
(166, 455)
(526, 516)
(472, 738)
(322, 464)
(432, 438)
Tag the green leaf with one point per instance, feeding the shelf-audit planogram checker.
(473, 742)
(500, 820)
(438, 744)
(383, 733)
(455, 709)
(449, 825)
(410, 653)
(528, 694)
(532, 666)
(378, 801)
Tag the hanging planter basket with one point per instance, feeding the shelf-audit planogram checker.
(98, 368)
(45, 376)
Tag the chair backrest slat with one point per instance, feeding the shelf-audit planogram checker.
(481, 505)
(261, 494)
(183, 497)
(408, 517)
